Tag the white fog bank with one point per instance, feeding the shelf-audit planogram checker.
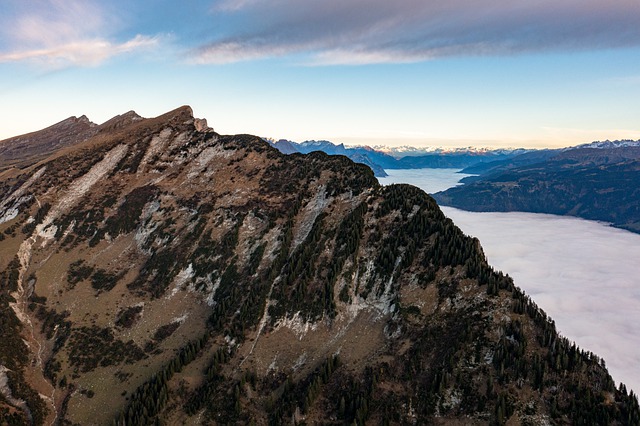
(430, 180)
(584, 274)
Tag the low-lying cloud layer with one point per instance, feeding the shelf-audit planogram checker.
(382, 31)
(584, 274)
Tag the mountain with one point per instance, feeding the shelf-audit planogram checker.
(46, 141)
(358, 155)
(158, 272)
(491, 167)
(284, 146)
(596, 181)
(625, 143)
(455, 160)
(414, 151)
(379, 159)
(73, 130)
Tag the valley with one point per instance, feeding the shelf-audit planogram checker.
(583, 273)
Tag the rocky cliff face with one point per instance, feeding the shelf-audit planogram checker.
(159, 271)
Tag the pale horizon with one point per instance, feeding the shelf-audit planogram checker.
(459, 73)
(573, 137)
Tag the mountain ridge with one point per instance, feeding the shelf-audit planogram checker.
(380, 159)
(157, 271)
(594, 181)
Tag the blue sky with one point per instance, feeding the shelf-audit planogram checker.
(416, 72)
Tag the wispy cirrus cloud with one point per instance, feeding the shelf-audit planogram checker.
(83, 52)
(380, 31)
(57, 33)
(233, 5)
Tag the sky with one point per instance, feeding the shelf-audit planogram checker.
(495, 73)
(583, 273)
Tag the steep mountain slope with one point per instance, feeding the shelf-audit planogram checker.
(592, 183)
(159, 271)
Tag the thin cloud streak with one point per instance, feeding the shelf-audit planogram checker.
(230, 52)
(233, 5)
(379, 31)
(56, 34)
(81, 53)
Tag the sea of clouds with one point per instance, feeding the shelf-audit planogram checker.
(584, 274)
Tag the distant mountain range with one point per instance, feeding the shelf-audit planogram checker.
(597, 181)
(381, 158)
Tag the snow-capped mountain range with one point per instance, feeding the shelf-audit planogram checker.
(607, 144)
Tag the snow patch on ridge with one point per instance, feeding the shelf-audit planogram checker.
(302, 359)
(205, 157)
(273, 244)
(209, 289)
(9, 214)
(251, 225)
(144, 231)
(382, 304)
(181, 319)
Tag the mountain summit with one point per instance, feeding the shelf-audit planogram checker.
(158, 272)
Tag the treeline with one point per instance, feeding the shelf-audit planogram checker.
(348, 239)
(301, 395)
(300, 288)
(148, 400)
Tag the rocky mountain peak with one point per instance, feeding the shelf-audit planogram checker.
(157, 271)
(120, 121)
(84, 120)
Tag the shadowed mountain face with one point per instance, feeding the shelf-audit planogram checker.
(156, 271)
(592, 183)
